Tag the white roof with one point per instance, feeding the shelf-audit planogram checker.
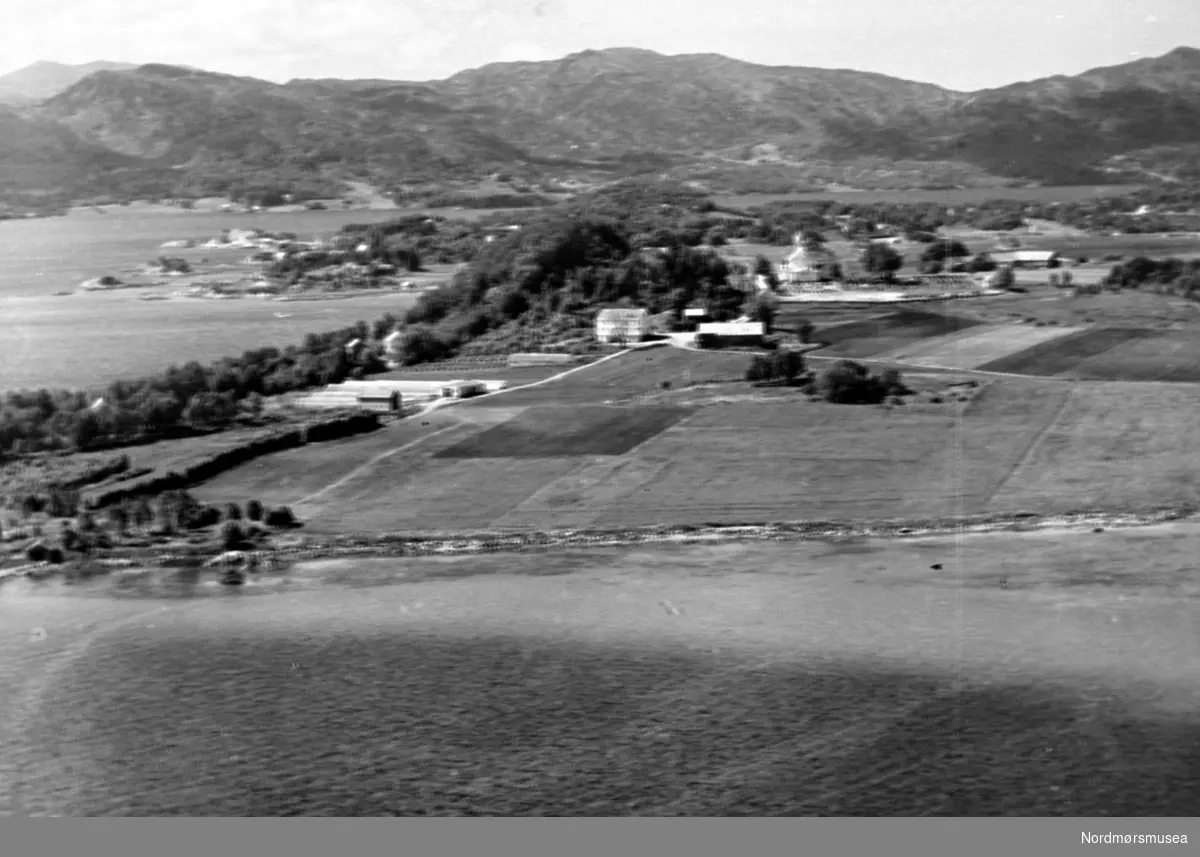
(620, 314)
(733, 328)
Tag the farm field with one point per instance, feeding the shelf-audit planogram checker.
(861, 678)
(515, 375)
(1064, 354)
(548, 432)
(1114, 445)
(564, 459)
(1111, 309)
(978, 349)
(287, 477)
(884, 333)
(1164, 356)
(641, 371)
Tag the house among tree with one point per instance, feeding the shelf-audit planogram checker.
(622, 325)
(808, 262)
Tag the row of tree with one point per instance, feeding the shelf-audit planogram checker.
(1172, 275)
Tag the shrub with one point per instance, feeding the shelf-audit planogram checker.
(761, 368)
(254, 510)
(231, 536)
(36, 552)
(280, 518)
(206, 516)
(849, 383)
(55, 556)
(71, 540)
(233, 512)
(893, 383)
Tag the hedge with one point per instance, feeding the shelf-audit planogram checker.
(218, 462)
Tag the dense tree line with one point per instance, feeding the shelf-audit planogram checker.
(1172, 276)
(183, 399)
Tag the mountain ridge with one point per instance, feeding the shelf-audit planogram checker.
(45, 78)
(604, 107)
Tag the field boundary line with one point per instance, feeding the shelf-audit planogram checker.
(462, 420)
(366, 465)
(944, 339)
(1031, 448)
(446, 403)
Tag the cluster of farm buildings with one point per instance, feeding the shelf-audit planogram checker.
(810, 267)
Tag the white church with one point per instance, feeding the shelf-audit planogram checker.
(808, 262)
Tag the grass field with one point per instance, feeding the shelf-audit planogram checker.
(885, 333)
(515, 375)
(1164, 356)
(978, 349)
(1036, 674)
(284, 478)
(1064, 354)
(548, 432)
(1111, 309)
(1114, 445)
(561, 458)
(638, 372)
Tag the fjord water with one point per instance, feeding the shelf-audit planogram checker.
(88, 339)
(660, 680)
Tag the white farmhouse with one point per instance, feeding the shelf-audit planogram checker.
(622, 325)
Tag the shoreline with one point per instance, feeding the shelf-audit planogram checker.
(386, 545)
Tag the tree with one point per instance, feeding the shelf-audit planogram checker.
(280, 517)
(764, 268)
(763, 307)
(940, 251)
(143, 514)
(1004, 278)
(118, 520)
(761, 368)
(233, 512)
(789, 364)
(805, 330)
(881, 261)
(231, 535)
(254, 510)
(850, 383)
(981, 263)
(210, 410)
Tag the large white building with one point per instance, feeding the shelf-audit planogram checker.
(733, 332)
(622, 325)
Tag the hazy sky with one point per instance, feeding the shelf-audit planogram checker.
(963, 44)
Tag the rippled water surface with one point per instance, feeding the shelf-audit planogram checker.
(753, 679)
